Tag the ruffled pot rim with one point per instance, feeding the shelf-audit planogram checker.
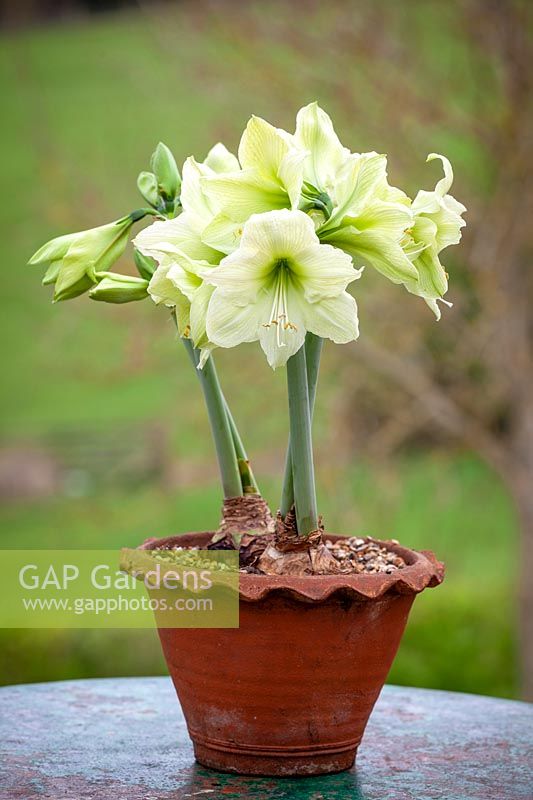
(422, 571)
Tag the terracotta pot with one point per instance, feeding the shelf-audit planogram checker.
(290, 691)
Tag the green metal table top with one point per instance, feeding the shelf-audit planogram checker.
(126, 738)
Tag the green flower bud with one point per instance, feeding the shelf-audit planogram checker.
(72, 290)
(146, 266)
(147, 185)
(72, 279)
(51, 274)
(54, 250)
(114, 288)
(74, 260)
(166, 172)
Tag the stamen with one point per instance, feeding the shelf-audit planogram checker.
(279, 310)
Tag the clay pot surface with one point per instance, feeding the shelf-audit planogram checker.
(290, 691)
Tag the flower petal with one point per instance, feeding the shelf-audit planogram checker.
(219, 159)
(262, 147)
(199, 306)
(182, 308)
(434, 305)
(389, 219)
(334, 318)
(315, 133)
(323, 271)
(238, 195)
(281, 339)
(444, 185)
(282, 234)
(193, 198)
(431, 202)
(291, 175)
(241, 275)
(183, 279)
(172, 236)
(272, 154)
(161, 289)
(432, 280)
(228, 325)
(223, 234)
(356, 184)
(379, 250)
(448, 222)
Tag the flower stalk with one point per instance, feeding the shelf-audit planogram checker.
(220, 425)
(313, 351)
(303, 473)
(249, 484)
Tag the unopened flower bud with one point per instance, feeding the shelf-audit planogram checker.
(115, 288)
(146, 266)
(166, 172)
(147, 185)
(54, 250)
(69, 291)
(74, 260)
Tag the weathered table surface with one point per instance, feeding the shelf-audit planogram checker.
(126, 738)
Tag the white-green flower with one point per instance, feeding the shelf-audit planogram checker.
(315, 134)
(74, 260)
(437, 224)
(364, 216)
(169, 240)
(179, 241)
(280, 283)
(178, 247)
(270, 175)
(177, 281)
(347, 194)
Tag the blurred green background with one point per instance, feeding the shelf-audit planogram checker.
(104, 439)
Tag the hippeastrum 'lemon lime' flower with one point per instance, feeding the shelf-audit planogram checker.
(355, 209)
(362, 214)
(75, 260)
(437, 224)
(346, 194)
(270, 174)
(315, 134)
(177, 280)
(279, 284)
(368, 228)
(178, 247)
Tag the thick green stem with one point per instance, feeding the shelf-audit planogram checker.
(313, 350)
(303, 473)
(249, 483)
(220, 426)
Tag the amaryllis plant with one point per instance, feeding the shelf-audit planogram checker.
(266, 246)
